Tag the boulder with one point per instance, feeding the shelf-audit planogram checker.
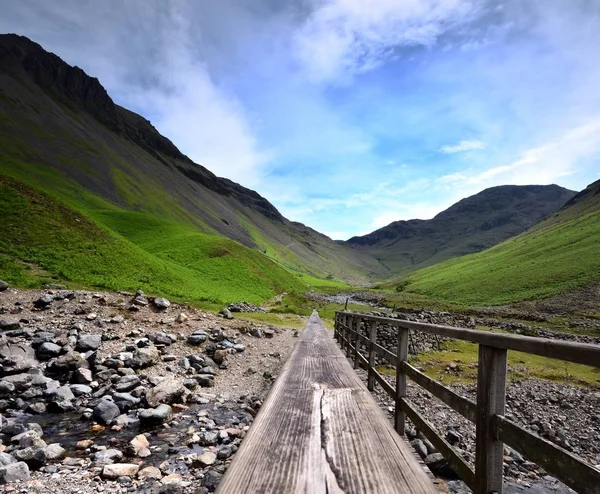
(82, 376)
(161, 303)
(107, 456)
(106, 411)
(70, 361)
(151, 417)
(6, 459)
(144, 357)
(14, 472)
(89, 342)
(43, 302)
(168, 391)
(9, 323)
(3, 286)
(197, 338)
(48, 350)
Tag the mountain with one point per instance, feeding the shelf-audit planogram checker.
(471, 225)
(61, 133)
(558, 254)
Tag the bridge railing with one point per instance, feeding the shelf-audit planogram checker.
(492, 428)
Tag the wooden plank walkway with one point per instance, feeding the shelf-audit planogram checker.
(321, 431)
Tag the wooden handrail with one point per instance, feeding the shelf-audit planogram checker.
(492, 428)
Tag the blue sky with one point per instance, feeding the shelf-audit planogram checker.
(349, 114)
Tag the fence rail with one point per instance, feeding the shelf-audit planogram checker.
(492, 428)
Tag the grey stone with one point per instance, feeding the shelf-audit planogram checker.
(3, 286)
(6, 459)
(106, 411)
(211, 480)
(151, 417)
(107, 456)
(419, 447)
(9, 323)
(15, 472)
(209, 438)
(144, 357)
(82, 376)
(168, 391)
(89, 342)
(48, 350)
(70, 361)
(127, 383)
(161, 303)
(80, 389)
(226, 313)
(197, 338)
(44, 301)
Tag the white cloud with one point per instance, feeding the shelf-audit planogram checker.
(346, 37)
(548, 163)
(463, 146)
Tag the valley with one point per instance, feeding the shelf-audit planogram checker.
(120, 259)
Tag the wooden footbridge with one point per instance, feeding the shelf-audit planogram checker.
(321, 431)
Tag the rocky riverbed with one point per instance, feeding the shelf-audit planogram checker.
(119, 392)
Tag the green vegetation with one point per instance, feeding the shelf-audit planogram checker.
(556, 256)
(44, 240)
(520, 366)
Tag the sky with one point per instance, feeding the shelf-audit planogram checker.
(349, 114)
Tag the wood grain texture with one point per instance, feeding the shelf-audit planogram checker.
(580, 353)
(320, 431)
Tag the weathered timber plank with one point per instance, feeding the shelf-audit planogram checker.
(581, 353)
(574, 472)
(465, 407)
(320, 431)
(460, 466)
(491, 394)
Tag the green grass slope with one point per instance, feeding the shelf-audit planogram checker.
(44, 240)
(559, 254)
(61, 133)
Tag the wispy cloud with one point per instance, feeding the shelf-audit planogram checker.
(346, 37)
(462, 146)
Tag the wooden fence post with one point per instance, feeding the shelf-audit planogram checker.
(349, 324)
(357, 342)
(402, 356)
(373, 340)
(491, 393)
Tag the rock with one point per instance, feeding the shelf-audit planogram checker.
(82, 376)
(220, 356)
(174, 481)
(43, 302)
(106, 411)
(144, 357)
(14, 472)
(84, 444)
(81, 389)
(107, 456)
(48, 350)
(167, 391)
(207, 458)
(37, 408)
(20, 381)
(269, 333)
(89, 342)
(140, 446)
(127, 383)
(53, 452)
(62, 393)
(113, 472)
(211, 480)
(226, 313)
(453, 437)
(3, 286)
(208, 438)
(256, 332)
(9, 323)
(151, 417)
(419, 447)
(161, 303)
(197, 338)
(70, 361)
(181, 318)
(6, 459)
(149, 473)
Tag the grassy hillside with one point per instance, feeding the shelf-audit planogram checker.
(471, 225)
(44, 240)
(559, 254)
(61, 133)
